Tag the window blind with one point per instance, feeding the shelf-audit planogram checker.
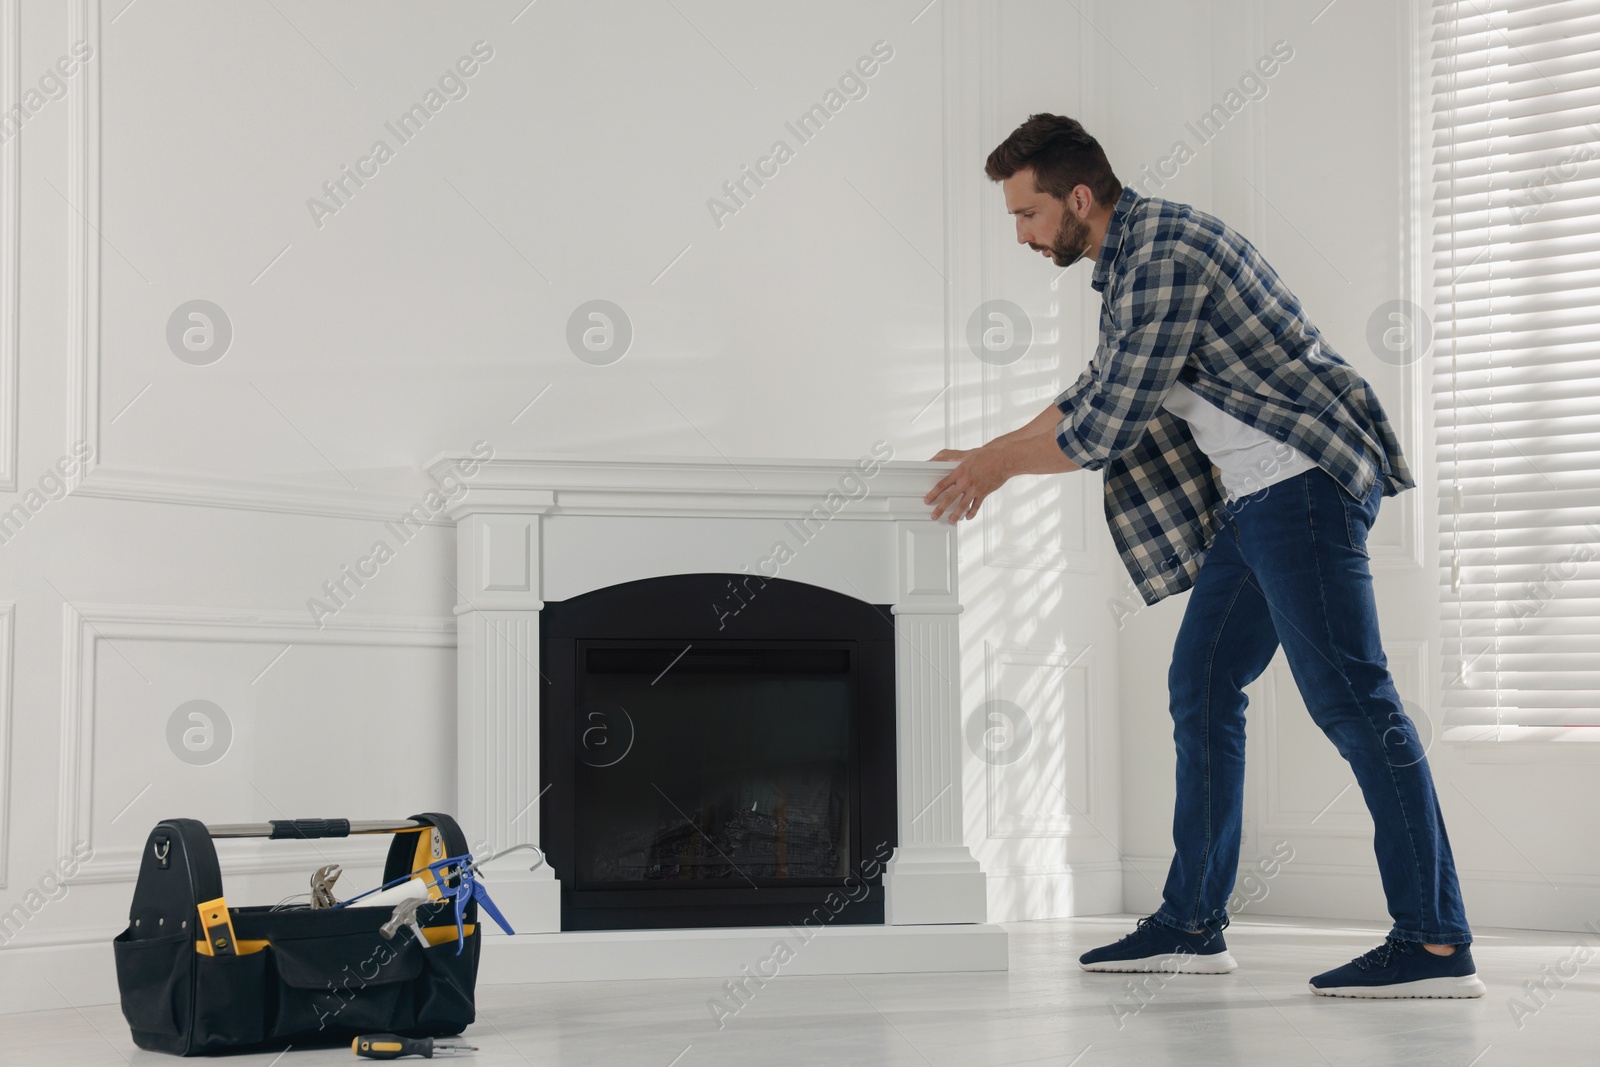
(1512, 91)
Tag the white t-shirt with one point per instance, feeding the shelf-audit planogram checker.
(1248, 459)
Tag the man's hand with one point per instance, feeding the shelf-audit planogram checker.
(1031, 449)
(982, 471)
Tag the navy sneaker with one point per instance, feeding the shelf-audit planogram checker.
(1155, 946)
(1399, 968)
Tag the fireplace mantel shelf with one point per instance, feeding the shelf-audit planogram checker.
(683, 485)
(537, 527)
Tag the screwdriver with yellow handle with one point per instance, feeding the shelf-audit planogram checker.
(393, 1046)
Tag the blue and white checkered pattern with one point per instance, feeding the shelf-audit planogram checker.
(1188, 299)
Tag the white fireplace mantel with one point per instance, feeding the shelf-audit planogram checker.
(532, 528)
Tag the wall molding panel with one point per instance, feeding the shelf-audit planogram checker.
(1274, 817)
(86, 627)
(1060, 514)
(1066, 680)
(8, 632)
(1415, 417)
(83, 244)
(10, 247)
(97, 477)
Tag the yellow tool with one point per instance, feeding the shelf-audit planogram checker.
(393, 1046)
(216, 929)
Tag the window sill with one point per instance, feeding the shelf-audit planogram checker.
(1524, 744)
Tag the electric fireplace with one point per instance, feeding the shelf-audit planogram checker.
(714, 768)
(716, 692)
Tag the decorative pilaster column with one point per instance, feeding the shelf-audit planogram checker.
(932, 877)
(497, 699)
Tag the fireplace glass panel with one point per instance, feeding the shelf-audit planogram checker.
(728, 764)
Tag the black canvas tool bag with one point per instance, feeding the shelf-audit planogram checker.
(268, 976)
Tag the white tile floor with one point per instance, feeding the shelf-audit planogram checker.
(1045, 1010)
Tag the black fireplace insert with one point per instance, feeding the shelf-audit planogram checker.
(719, 751)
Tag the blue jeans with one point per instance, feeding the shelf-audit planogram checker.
(1290, 565)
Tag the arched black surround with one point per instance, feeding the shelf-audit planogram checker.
(743, 690)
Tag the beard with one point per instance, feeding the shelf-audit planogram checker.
(1071, 242)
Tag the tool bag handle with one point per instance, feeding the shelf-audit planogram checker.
(310, 828)
(410, 850)
(180, 870)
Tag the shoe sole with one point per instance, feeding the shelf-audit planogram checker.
(1215, 963)
(1435, 988)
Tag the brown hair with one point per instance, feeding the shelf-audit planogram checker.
(1062, 155)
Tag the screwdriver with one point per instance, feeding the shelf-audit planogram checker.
(393, 1046)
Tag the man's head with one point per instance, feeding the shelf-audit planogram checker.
(1058, 185)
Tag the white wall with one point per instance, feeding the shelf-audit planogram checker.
(431, 311)
(1039, 654)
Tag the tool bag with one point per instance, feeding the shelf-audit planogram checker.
(197, 975)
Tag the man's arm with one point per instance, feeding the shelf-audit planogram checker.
(1106, 411)
(1040, 426)
(1029, 449)
(1035, 454)
(1158, 312)
(1044, 423)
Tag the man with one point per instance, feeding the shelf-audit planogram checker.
(1245, 459)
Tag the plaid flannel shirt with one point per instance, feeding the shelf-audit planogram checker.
(1188, 299)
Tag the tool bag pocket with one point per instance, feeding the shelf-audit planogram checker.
(357, 982)
(155, 981)
(443, 992)
(260, 977)
(229, 1009)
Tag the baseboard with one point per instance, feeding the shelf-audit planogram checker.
(55, 977)
(1507, 899)
(1017, 894)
